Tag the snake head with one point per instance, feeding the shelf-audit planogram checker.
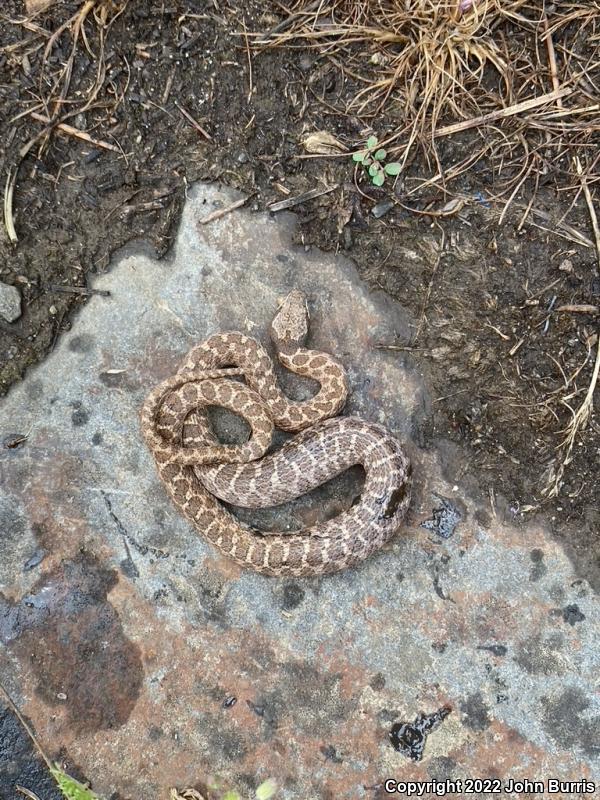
(289, 327)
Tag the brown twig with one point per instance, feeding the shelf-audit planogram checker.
(249, 57)
(582, 308)
(221, 212)
(281, 205)
(193, 122)
(71, 131)
(52, 287)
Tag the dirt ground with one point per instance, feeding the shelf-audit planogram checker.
(490, 339)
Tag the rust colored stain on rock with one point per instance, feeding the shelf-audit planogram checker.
(73, 640)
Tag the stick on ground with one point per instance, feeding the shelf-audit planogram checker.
(221, 212)
(71, 131)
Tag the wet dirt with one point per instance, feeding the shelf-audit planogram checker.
(490, 339)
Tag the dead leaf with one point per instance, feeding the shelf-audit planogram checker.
(323, 143)
(35, 6)
(452, 206)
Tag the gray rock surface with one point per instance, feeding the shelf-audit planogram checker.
(124, 636)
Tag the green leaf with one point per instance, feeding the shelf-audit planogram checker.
(70, 788)
(374, 169)
(380, 154)
(393, 169)
(367, 161)
(266, 790)
(372, 142)
(231, 795)
(378, 179)
(360, 157)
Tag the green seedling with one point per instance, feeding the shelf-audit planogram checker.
(265, 791)
(373, 160)
(70, 788)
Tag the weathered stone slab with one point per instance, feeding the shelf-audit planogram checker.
(123, 633)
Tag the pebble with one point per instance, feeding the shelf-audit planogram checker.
(566, 265)
(347, 238)
(10, 302)
(382, 208)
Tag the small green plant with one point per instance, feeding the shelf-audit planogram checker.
(70, 788)
(373, 160)
(265, 791)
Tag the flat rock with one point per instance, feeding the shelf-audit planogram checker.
(10, 302)
(123, 632)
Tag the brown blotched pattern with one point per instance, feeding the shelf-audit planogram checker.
(197, 469)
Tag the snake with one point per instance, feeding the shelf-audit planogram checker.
(233, 370)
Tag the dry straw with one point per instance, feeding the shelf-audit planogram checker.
(523, 73)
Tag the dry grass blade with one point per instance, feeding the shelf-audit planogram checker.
(76, 22)
(581, 308)
(427, 53)
(311, 194)
(590, 204)
(579, 421)
(26, 792)
(503, 113)
(9, 189)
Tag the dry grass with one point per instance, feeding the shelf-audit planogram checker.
(522, 73)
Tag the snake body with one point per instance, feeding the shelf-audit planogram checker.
(198, 471)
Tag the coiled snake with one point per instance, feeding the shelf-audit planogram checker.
(197, 469)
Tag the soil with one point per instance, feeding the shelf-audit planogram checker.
(497, 353)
